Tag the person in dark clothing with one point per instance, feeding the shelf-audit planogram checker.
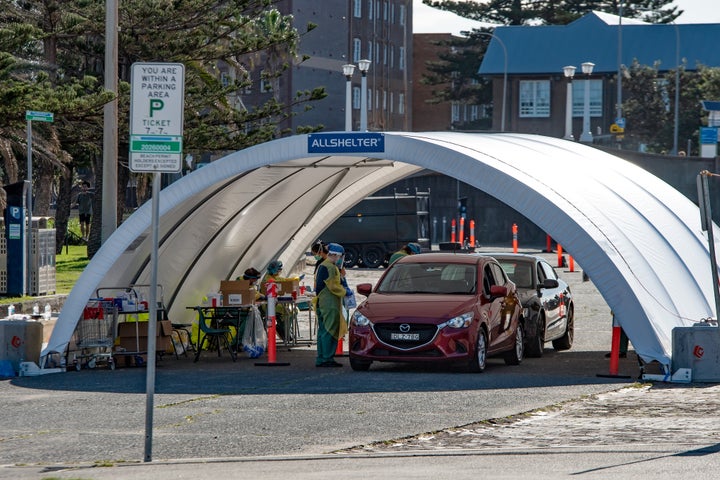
(84, 203)
(319, 251)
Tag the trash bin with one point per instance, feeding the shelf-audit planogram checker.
(20, 341)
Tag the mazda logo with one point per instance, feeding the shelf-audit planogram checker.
(404, 328)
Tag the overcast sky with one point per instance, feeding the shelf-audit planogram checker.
(431, 20)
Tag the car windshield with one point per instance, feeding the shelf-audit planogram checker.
(431, 278)
(520, 273)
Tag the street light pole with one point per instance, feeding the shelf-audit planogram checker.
(348, 72)
(364, 66)
(586, 136)
(505, 74)
(110, 124)
(676, 124)
(569, 72)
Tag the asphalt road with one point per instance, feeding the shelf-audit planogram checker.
(216, 418)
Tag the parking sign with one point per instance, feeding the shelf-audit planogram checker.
(156, 117)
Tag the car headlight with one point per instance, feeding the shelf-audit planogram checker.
(461, 321)
(360, 320)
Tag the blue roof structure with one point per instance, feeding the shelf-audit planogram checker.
(591, 38)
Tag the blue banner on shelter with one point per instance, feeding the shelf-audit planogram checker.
(346, 142)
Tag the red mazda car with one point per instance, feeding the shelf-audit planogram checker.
(438, 307)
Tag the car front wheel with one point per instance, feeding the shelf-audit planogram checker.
(515, 356)
(359, 365)
(479, 360)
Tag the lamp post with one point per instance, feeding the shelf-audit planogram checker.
(504, 94)
(586, 136)
(676, 125)
(110, 124)
(364, 66)
(569, 72)
(348, 72)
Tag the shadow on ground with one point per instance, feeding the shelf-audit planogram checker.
(213, 375)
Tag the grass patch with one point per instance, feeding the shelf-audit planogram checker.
(69, 266)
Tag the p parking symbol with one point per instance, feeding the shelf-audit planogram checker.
(156, 105)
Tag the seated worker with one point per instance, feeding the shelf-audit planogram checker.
(282, 311)
(411, 248)
(252, 275)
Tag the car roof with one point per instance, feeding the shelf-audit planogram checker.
(518, 256)
(449, 257)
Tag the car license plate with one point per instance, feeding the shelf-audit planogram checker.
(404, 336)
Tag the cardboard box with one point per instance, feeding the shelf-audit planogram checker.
(287, 287)
(133, 336)
(237, 292)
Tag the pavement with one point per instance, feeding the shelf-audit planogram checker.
(557, 416)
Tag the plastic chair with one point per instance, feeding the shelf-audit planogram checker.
(219, 336)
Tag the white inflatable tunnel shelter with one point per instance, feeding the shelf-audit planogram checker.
(638, 239)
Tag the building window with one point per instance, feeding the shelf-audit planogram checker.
(369, 99)
(578, 99)
(224, 79)
(384, 104)
(474, 112)
(370, 9)
(534, 98)
(377, 101)
(402, 15)
(392, 102)
(401, 103)
(401, 60)
(265, 84)
(392, 56)
(385, 54)
(385, 10)
(357, 8)
(455, 112)
(356, 98)
(377, 53)
(392, 13)
(370, 50)
(357, 49)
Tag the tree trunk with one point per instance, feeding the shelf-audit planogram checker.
(123, 177)
(95, 240)
(62, 207)
(43, 189)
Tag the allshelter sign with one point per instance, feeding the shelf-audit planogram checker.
(156, 117)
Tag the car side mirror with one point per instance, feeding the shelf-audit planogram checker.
(498, 291)
(364, 289)
(550, 283)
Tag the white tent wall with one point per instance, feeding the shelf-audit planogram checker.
(637, 238)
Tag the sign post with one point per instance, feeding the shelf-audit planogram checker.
(156, 127)
(31, 116)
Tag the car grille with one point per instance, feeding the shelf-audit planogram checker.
(387, 333)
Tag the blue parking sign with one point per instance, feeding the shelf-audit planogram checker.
(708, 135)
